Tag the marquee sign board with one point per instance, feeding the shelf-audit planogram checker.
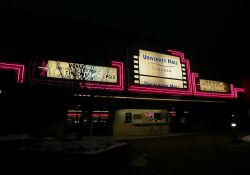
(159, 70)
(214, 86)
(75, 71)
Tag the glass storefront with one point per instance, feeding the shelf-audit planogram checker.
(93, 123)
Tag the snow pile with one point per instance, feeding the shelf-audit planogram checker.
(89, 144)
(13, 137)
(246, 139)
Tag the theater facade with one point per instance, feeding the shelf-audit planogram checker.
(149, 93)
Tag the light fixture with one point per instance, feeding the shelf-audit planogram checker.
(233, 125)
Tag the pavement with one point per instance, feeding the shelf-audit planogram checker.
(193, 153)
(179, 153)
(136, 137)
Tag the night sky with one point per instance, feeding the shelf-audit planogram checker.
(216, 31)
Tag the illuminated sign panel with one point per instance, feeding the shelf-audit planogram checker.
(75, 71)
(153, 81)
(160, 65)
(214, 86)
(156, 69)
(149, 117)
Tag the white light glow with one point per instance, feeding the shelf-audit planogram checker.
(233, 124)
(74, 110)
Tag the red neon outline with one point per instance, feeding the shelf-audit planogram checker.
(236, 90)
(43, 69)
(19, 68)
(233, 91)
(183, 60)
(104, 115)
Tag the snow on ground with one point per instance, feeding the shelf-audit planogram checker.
(87, 144)
(84, 145)
(246, 139)
(13, 137)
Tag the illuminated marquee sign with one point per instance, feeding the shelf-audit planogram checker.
(75, 71)
(214, 86)
(153, 81)
(156, 69)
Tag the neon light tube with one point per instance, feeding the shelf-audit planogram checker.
(18, 68)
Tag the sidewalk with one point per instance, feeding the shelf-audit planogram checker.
(120, 138)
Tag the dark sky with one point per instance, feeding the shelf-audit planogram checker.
(220, 27)
(210, 23)
(206, 22)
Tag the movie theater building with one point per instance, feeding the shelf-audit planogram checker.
(149, 93)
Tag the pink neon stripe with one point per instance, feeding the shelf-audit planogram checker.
(189, 77)
(11, 65)
(74, 115)
(22, 73)
(43, 70)
(10, 68)
(19, 69)
(104, 115)
(238, 90)
(18, 75)
(174, 52)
